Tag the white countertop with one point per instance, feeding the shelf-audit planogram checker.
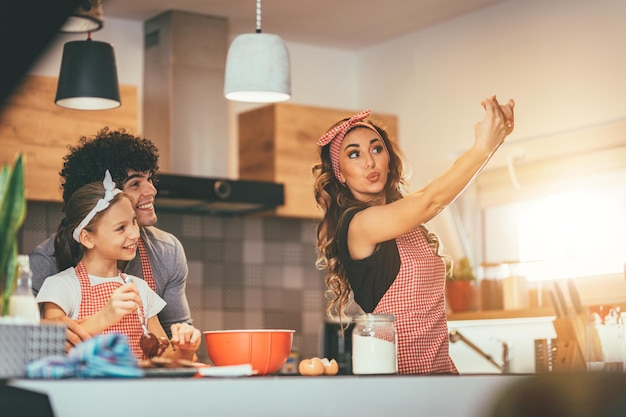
(432, 396)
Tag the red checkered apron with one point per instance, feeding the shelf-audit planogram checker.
(146, 270)
(416, 298)
(94, 298)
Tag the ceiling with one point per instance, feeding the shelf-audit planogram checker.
(344, 24)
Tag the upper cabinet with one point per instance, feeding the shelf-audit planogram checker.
(31, 123)
(278, 143)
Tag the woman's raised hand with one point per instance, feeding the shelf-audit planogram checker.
(497, 123)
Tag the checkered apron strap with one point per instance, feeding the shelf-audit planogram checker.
(146, 269)
(416, 298)
(94, 298)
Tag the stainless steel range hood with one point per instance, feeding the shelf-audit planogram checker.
(216, 195)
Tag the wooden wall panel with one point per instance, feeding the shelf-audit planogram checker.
(31, 123)
(278, 143)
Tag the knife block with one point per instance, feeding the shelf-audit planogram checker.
(569, 353)
(545, 353)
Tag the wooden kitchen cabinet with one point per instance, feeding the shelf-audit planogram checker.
(31, 123)
(277, 143)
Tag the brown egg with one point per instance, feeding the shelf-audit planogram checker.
(311, 367)
(331, 367)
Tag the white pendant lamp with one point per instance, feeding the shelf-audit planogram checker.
(86, 18)
(257, 67)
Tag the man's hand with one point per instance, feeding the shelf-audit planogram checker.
(74, 333)
(186, 337)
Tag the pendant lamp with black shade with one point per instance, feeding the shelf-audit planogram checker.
(257, 67)
(88, 77)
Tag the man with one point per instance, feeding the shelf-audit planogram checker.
(161, 261)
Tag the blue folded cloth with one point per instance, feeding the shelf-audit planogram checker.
(106, 355)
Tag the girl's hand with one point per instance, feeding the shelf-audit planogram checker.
(185, 337)
(123, 301)
(496, 125)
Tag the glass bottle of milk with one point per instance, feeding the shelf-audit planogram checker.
(374, 345)
(22, 304)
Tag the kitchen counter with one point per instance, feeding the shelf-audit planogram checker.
(342, 395)
(547, 311)
(586, 394)
(502, 314)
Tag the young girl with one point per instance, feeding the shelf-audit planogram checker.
(372, 241)
(133, 162)
(100, 229)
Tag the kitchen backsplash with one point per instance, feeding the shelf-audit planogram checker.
(244, 272)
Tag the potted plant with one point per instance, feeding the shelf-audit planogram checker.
(19, 343)
(460, 286)
(12, 213)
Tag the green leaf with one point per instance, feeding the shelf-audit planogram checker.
(12, 214)
(10, 273)
(4, 180)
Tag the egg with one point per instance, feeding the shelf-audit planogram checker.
(311, 367)
(331, 367)
(316, 366)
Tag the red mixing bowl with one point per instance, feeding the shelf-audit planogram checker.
(266, 350)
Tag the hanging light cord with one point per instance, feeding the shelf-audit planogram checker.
(258, 16)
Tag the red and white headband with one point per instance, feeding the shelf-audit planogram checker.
(335, 137)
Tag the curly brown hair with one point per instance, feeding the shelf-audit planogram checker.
(336, 201)
(116, 150)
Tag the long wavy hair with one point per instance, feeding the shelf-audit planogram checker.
(336, 201)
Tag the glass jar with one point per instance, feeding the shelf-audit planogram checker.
(605, 339)
(491, 275)
(374, 345)
(514, 287)
(22, 302)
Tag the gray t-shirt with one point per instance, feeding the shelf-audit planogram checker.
(169, 267)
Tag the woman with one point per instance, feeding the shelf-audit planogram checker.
(99, 229)
(372, 240)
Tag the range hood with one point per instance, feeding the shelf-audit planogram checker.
(186, 117)
(216, 195)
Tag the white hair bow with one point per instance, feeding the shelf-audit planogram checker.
(110, 191)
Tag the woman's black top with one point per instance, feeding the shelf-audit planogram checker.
(371, 277)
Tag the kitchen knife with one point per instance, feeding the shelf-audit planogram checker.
(561, 298)
(555, 305)
(573, 294)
